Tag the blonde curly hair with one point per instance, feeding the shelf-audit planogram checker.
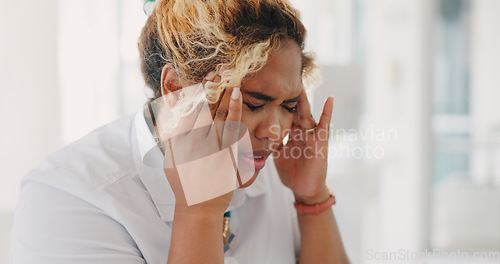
(200, 36)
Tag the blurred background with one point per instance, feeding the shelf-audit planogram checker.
(415, 160)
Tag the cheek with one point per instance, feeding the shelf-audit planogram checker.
(286, 125)
(287, 121)
(250, 120)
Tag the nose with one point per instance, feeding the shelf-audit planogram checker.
(270, 128)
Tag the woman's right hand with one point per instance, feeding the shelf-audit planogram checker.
(198, 161)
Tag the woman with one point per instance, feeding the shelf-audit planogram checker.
(124, 194)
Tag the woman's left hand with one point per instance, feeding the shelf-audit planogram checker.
(302, 162)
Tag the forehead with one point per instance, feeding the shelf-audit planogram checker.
(281, 77)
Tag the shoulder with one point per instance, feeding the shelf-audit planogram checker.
(106, 150)
(87, 200)
(86, 167)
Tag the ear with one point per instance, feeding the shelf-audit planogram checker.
(169, 79)
(170, 83)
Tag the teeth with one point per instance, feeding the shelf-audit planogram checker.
(252, 156)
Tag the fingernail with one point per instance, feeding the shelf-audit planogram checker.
(236, 93)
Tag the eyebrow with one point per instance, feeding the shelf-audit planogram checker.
(265, 97)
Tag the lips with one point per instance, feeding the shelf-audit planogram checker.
(256, 159)
(259, 154)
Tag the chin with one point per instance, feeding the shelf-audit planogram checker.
(249, 182)
(247, 165)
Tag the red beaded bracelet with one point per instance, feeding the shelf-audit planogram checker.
(315, 208)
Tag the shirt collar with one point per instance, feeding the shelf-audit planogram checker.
(149, 163)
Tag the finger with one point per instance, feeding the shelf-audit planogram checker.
(231, 127)
(326, 115)
(306, 120)
(222, 112)
(235, 105)
(296, 135)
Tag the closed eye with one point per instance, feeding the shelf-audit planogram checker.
(254, 108)
(290, 109)
(285, 105)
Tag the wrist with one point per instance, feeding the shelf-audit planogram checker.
(318, 197)
(196, 229)
(315, 205)
(199, 213)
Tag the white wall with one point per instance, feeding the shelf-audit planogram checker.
(28, 108)
(481, 191)
(397, 97)
(485, 87)
(29, 81)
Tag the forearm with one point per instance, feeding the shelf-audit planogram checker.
(196, 237)
(320, 238)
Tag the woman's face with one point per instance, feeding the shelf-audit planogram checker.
(270, 101)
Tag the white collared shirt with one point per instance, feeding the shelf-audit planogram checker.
(105, 199)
